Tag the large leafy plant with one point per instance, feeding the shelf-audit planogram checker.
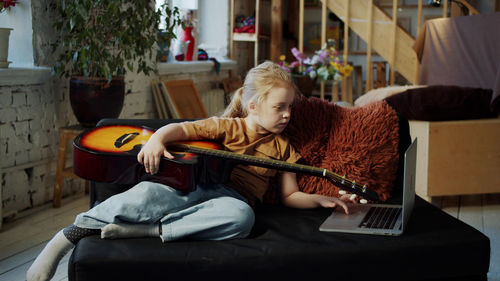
(104, 38)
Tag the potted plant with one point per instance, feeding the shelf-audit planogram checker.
(99, 41)
(4, 34)
(167, 31)
(325, 64)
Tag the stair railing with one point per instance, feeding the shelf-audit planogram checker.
(400, 43)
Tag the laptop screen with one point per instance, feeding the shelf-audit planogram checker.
(409, 181)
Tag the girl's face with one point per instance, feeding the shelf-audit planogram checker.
(273, 113)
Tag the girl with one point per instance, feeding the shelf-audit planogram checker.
(252, 123)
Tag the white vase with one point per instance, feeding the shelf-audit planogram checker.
(4, 47)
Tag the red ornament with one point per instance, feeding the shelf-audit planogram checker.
(187, 35)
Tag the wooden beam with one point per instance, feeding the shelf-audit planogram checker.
(394, 42)
(419, 16)
(258, 32)
(323, 41)
(472, 10)
(323, 22)
(231, 42)
(347, 19)
(346, 93)
(445, 8)
(301, 25)
(419, 27)
(335, 91)
(369, 67)
(381, 80)
(455, 10)
(276, 29)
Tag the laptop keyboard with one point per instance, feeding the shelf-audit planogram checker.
(381, 218)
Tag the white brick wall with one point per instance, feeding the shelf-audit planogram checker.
(29, 140)
(30, 117)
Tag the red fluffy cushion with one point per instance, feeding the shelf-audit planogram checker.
(360, 142)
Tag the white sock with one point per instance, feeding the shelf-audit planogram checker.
(113, 231)
(45, 265)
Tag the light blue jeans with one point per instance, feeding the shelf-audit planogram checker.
(211, 212)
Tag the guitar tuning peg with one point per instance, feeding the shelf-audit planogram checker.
(364, 188)
(353, 184)
(343, 179)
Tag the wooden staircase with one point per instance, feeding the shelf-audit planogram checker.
(360, 20)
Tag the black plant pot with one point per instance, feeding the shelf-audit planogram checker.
(94, 99)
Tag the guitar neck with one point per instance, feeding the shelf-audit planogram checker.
(255, 161)
(340, 181)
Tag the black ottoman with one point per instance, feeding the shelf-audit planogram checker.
(286, 245)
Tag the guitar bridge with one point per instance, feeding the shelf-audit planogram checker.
(124, 139)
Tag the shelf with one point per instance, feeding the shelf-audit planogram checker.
(267, 19)
(264, 37)
(247, 37)
(415, 6)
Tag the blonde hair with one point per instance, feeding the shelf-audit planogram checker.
(258, 83)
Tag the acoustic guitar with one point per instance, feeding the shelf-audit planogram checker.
(109, 154)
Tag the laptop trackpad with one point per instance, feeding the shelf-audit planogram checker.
(356, 214)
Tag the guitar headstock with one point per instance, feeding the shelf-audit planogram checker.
(351, 186)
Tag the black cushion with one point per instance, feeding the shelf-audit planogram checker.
(443, 103)
(286, 245)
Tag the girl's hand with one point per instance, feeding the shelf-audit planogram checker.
(150, 155)
(346, 197)
(332, 202)
(349, 198)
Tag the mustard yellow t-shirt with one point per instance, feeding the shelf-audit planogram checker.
(235, 136)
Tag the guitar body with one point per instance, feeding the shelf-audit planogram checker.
(109, 154)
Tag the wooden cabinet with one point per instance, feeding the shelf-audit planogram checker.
(457, 157)
(266, 42)
(250, 42)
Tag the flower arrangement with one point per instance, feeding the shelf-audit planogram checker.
(6, 4)
(324, 64)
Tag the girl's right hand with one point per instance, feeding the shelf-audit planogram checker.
(150, 155)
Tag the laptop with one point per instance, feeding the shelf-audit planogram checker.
(381, 219)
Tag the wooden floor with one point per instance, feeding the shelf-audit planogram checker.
(22, 239)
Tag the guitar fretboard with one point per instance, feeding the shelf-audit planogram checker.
(340, 181)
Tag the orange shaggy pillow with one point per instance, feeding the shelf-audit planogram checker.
(359, 142)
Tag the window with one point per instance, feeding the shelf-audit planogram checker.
(212, 29)
(212, 24)
(21, 37)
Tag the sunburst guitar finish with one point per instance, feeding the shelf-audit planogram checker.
(109, 154)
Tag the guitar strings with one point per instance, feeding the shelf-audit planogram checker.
(281, 164)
